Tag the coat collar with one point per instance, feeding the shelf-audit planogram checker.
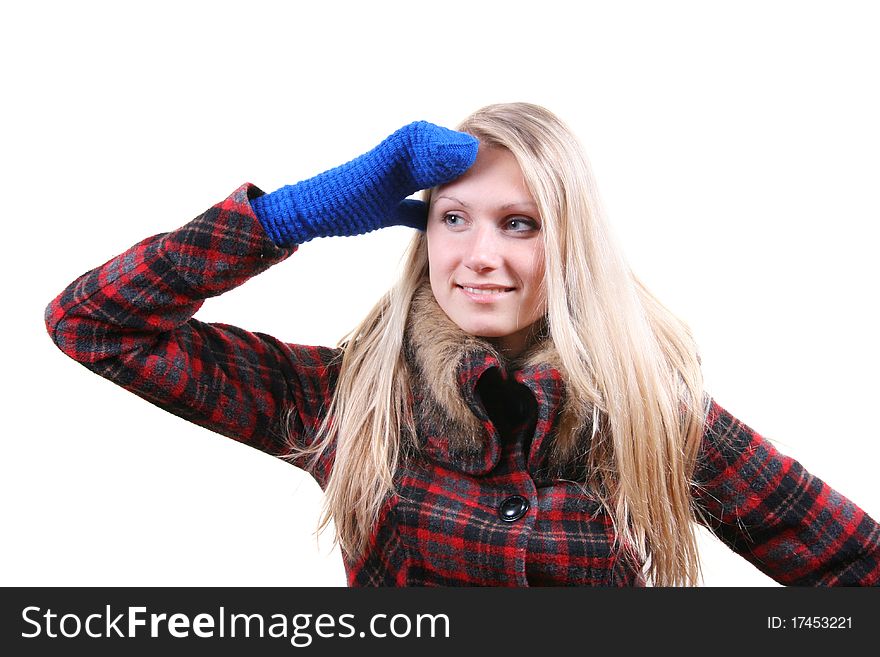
(447, 364)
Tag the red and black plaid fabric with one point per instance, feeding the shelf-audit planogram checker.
(499, 516)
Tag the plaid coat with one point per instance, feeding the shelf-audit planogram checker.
(479, 502)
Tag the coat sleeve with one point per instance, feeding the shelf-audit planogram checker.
(131, 321)
(768, 509)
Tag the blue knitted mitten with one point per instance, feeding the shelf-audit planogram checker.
(368, 193)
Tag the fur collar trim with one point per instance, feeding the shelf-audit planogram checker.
(446, 363)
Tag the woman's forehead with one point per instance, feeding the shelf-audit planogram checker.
(495, 178)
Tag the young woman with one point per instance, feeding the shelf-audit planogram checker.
(517, 410)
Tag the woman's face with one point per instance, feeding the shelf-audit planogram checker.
(485, 251)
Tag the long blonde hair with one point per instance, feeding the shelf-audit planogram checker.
(626, 360)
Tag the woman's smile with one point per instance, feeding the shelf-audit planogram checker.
(486, 293)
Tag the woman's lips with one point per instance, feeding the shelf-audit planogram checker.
(485, 294)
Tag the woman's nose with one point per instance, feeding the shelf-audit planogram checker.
(484, 248)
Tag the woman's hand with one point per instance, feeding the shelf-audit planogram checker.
(370, 191)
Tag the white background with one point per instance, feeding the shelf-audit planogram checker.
(735, 145)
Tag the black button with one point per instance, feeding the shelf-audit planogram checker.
(513, 508)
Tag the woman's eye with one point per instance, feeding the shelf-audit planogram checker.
(521, 224)
(451, 219)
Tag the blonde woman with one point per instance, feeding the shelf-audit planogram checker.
(517, 410)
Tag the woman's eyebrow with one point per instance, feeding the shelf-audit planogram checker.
(455, 200)
(519, 204)
(515, 204)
